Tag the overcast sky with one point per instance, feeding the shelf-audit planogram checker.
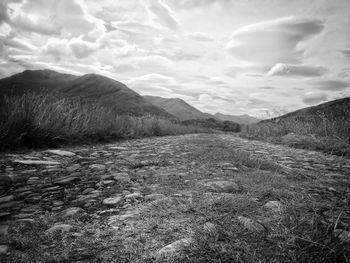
(228, 56)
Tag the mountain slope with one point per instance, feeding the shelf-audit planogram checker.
(337, 110)
(178, 108)
(92, 87)
(241, 119)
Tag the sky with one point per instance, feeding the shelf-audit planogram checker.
(256, 57)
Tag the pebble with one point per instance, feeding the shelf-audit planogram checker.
(113, 201)
(36, 162)
(62, 153)
(59, 227)
(170, 251)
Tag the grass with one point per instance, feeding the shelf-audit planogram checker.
(300, 233)
(322, 132)
(34, 120)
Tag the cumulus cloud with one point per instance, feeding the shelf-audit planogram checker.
(267, 88)
(331, 85)
(163, 14)
(290, 70)
(314, 98)
(82, 49)
(199, 36)
(272, 42)
(346, 53)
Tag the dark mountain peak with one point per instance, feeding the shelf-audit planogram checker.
(41, 73)
(241, 119)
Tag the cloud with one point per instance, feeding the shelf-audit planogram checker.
(199, 36)
(190, 4)
(82, 49)
(272, 42)
(314, 98)
(163, 14)
(290, 70)
(267, 88)
(346, 53)
(331, 85)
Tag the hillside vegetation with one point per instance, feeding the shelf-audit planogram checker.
(324, 127)
(44, 120)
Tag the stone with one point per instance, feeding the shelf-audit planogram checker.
(133, 196)
(107, 182)
(275, 207)
(6, 199)
(98, 167)
(152, 197)
(221, 186)
(170, 251)
(73, 167)
(343, 235)
(62, 153)
(113, 201)
(210, 228)
(36, 162)
(251, 224)
(67, 180)
(3, 249)
(59, 227)
(72, 212)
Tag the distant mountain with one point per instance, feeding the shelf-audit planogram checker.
(335, 110)
(178, 108)
(241, 119)
(91, 87)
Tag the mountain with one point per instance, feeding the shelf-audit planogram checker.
(241, 119)
(178, 108)
(335, 110)
(91, 87)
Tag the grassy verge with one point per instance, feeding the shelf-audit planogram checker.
(320, 132)
(33, 120)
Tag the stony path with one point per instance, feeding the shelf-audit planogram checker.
(111, 181)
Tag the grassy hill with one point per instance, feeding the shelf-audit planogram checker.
(178, 108)
(241, 119)
(91, 87)
(323, 127)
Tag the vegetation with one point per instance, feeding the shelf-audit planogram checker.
(212, 123)
(37, 120)
(321, 130)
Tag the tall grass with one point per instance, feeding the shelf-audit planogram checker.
(319, 131)
(37, 120)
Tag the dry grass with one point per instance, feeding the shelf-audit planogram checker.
(33, 120)
(320, 132)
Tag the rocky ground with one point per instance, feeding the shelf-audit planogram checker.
(168, 199)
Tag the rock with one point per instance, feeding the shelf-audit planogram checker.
(275, 207)
(72, 212)
(152, 197)
(107, 182)
(343, 235)
(59, 227)
(22, 216)
(6, 199)
(61, 153)
(221, 186)
(73, 167)
(36, 162)
(98, 167)
(133, 196)
(67, 180)
(113, 201)
(3, 249)
(172, 250)
(251, 224)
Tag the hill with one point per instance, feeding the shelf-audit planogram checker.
(178, 108)
(241, 119)
(324, 127)
(91, 87)
(337, 110)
